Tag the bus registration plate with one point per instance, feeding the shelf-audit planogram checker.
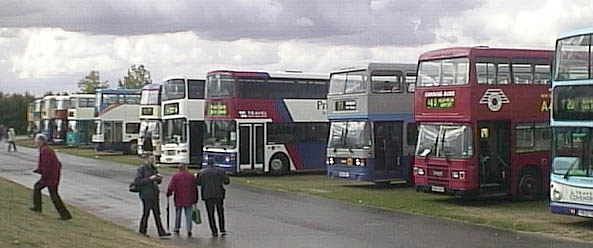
(344, 174)
(585, 213)
(438, 189)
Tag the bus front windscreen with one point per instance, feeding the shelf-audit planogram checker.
(454, 71)
(348, 83)
(174, 89)
(220, 133)
(573, 58)
(573, 152)
(175, 131)
(219, 85)
(350, 134)
(444, 140)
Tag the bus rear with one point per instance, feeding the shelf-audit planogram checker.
(116, 120)
(80, 120)
(265, 122)
(372, 131)
(483, 122)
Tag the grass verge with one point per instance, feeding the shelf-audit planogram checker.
(530, 216)
(23, 228)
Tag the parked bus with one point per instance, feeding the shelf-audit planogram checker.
(36, 123)
(150, 118)
(571, 187)
(48, 116)
(80, 120)
(117, 123)
(183, 121)
(266, 122)
(483, 122)
(60, 121)
(372, 135)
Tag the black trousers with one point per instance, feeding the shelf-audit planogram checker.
(154, 206)
(210, 205)
(11, 144)
(55, 198)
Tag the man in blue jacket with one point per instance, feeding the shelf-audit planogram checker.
(211, 182)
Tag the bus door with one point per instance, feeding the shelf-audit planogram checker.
(118, 132)
(388, 147)
(251, 147)
(494, 155)
(196, 130)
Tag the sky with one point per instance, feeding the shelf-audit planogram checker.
(48, 45)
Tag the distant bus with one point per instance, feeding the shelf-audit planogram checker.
(571, 186)
(266, 122)
(81, 120)
(60, 120)
(48, 107)
(372, 135)
(117, 123)
(36, 121)
(183, 121)
(150, 118)
(483, 116)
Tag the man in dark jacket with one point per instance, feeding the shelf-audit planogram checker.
(49, 167)
(148, 179)
(211, 181)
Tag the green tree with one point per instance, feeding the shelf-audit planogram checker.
(13, 111)
(92, 82)
(136, 78)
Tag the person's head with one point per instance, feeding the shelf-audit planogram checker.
(182, 167)
(40, 139)
(210, 163)
(148, 158)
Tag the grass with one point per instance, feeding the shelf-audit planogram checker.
(529, 216)
(88, 153)
(23, 228)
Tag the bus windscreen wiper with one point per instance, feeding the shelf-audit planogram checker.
(570, 168)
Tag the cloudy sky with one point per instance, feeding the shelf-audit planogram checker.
(51, 44)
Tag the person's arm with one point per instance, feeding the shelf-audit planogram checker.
(172, 186)
(44, 164)
(140, 179)
(199, 179)
(225, 178)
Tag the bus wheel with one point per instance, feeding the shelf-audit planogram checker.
(279, 164)
(133, 149)
(529, 185)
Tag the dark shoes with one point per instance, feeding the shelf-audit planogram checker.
(189, 234)
(214, 234)
(162, 235)
(222, 233)
(35, 209)
(65, 218)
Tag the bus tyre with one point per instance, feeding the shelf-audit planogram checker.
(529, 185)
(279, 165)
(133, 149)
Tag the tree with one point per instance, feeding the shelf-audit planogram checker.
(13, 110)
(137, 77)
(91, 82)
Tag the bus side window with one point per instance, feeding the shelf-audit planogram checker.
(522, 73)
(503, 74)
(411, 83)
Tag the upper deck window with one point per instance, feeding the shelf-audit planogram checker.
(132, 99)
(573, 58)
(150, 97)
(85, 102)
(387, 82)
(195, 89)
(174, 89)
(348, 83)
(219, 85)
(443, 72)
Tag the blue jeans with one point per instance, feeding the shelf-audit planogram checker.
(188, 218)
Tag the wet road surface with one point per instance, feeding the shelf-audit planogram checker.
(264, 218)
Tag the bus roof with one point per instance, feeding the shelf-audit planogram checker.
(118, 91)
(484, 51)
(184, 77)
(377, 66)
(575, 32)
(82, 95)
(288, 74)
(152, 87)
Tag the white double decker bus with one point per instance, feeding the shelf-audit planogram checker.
(117, 123)
(150, 118)
(80, 120)
(183, 120)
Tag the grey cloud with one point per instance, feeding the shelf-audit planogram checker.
(343, 22)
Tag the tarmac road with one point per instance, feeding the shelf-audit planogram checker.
(265, 218)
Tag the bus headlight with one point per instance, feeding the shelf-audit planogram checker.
(419, 171)
(227, 159)
(331, 161)
(556, 195)
(205, 157)
(455, 174)
(359, 162)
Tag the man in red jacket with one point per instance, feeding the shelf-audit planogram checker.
(49, 167)
(183, 185)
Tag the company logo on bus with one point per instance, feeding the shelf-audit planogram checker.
(494, 99)
(252, 114)
(217, 109)
(439, 99)
(345, 105)
(172, 109)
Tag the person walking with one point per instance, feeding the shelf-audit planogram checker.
(10, 137)
(49, 167)
(148, 179)
(147, 144)
(211, 182)
(183, 186)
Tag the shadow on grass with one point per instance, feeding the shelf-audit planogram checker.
(374, 186)
(291, 174)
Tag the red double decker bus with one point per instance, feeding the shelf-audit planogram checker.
(483, 117)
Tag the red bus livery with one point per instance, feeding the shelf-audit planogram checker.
(483, 122)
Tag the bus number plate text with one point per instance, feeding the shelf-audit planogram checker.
(343, 174)
(585, 213)
(438, 189)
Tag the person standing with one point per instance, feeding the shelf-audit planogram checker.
(183, 186)
(148, 179)
(10, 137)
(49, 167)
(211, 182)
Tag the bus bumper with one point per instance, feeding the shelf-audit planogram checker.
(224, 161)
(358, 173)
(446, 190)
(571, 209)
